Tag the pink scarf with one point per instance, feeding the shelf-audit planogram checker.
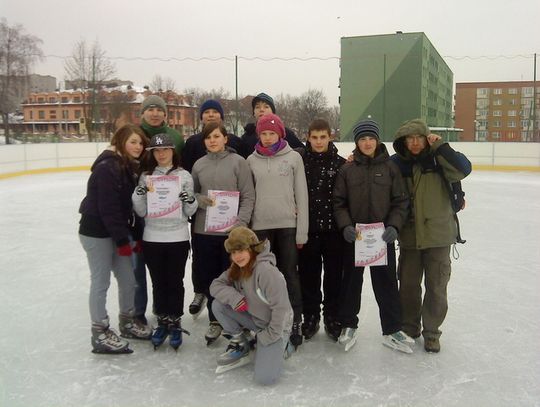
(272, 150)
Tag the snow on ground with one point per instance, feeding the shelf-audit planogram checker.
(490, 346)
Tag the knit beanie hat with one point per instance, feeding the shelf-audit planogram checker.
(154, 101)
(263, 97)
(415, 126)
(271, 122)
(161, 140)
(211, 104)
(366, 128)
(242, 238)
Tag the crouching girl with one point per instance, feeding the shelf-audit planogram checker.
(252, 296)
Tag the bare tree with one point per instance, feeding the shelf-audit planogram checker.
(311, 105)
(198, 96)
(333, 120)
(162, 84)
(18, 53)
(286, 108)
(88, 68)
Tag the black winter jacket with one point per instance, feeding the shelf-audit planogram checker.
(321, 172)
(250, 138)
(195, 149)
(107, 211)
(370, 190)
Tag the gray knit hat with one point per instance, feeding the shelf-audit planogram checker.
(154, 101)
(415, 126)
(242, 238)
(366, 128)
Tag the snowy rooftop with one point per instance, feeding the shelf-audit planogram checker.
(490, 345)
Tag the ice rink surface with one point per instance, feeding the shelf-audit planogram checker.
(490, 345)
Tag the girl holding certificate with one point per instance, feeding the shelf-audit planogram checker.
(221, 172)
(107, 228)
(370, 190)
(165, 198)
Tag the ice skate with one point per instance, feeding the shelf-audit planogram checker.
(161, 332)
(296, 335)
(310, 326)
(213, 333)
(348, 338)
(175, 333)
(197, 305)
(106, 341)
(132, 328)
(398, 341)
(236, 354)
(332, 328)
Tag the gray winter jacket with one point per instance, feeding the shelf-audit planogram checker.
(225, 171)
(266, 294)
(282, 194)
(166, 229)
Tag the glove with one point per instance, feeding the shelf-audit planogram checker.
(204, 201)
(242, 306)
(124, 250)
(349, 234)
(390, 234)
(187, 198)
(141, 190)
(138, 247)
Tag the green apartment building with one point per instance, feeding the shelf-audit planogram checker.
(392, 78)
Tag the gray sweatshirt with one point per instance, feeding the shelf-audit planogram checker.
(266, 294)
(225, 171)
(166, 229)
(282, 195)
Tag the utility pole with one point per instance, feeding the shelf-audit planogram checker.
(236, 90)
(534, 127)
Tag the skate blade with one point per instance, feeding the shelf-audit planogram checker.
(222, 369)
(396, 345)
(349, 344)
(125, 351)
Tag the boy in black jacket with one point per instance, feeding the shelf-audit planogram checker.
(321, 163)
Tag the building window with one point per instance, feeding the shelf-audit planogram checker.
(482, 103)
(525, 124)
(495, 135)
(41, 114)
(77, 114)
(511, 135)
(482, 92)
(52, 114)
(497, 102)
(512, 91)
(527, 91)
(511, 123)
(497, 91)
(31, 114)
(76, 99)
(65, 114)
(525, 135)
(511, 113)
(41, 100)
(64, 99)
(496, 123)
(482, 135)
(497, 113)
(512, 102)
(481, 113)
(52, 100)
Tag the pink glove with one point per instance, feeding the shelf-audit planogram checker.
(242, 306)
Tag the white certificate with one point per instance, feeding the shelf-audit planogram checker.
(223, 214)
(162, 197)
(369, 247)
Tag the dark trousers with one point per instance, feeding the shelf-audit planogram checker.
(211, 260)
(385, 288)
(321, 249)
(141, 291)
(283, 245)
(166, 263)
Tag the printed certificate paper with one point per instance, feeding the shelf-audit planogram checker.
(223, 214)
(369, 248)
(162, 197)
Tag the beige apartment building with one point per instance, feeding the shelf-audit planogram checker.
(498, 111)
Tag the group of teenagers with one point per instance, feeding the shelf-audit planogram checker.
(298, 209)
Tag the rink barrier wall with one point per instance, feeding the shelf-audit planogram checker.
(27, 159)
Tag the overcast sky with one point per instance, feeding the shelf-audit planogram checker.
(277, 29)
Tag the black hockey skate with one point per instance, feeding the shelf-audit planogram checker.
(197, 305)
(213, 333)
(332, 328)
(106, 341)
(310, 326)
(296, 335)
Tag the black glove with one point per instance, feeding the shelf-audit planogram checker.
(390, 234)
(187, 198)
(349, 234)
(141, 190)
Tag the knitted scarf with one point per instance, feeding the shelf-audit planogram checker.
(272, 150)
